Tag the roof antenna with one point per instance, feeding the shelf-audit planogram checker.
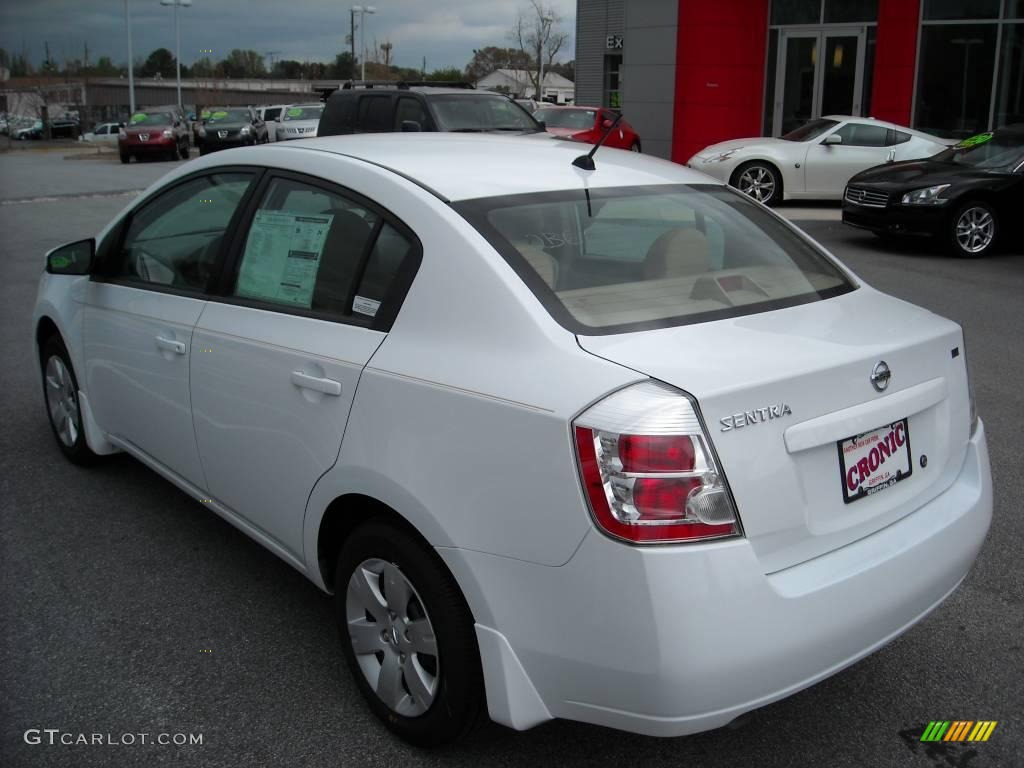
(586, 162)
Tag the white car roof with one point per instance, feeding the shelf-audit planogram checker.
(464, 166)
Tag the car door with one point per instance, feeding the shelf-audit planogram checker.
(829, 166)
(140, 309)
(304, 307)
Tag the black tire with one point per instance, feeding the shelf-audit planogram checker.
(202, 151)
(635, 147)
(976, 243)
(458, 691)
(125, 158)
(183, 150)
(72, 442)
(764, 183)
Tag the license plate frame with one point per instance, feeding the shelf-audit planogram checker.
(885, 443)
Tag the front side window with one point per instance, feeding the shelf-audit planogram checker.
(635, 258)
(174, 240)
(410, 109)
(810, 130)
(480, 112)
(311, 248)
(861, 135)
(271, 114)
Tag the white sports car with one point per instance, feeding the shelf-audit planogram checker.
(816, 160)
(608, 444)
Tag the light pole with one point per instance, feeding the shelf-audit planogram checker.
(177, 39)
(362, 11)
(545, 23)
(131, 64)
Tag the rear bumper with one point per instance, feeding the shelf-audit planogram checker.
(897, 220)
(675, 640)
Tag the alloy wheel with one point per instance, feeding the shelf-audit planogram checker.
(61, 401)
(757, 182)
(392, 637)
(975, 230)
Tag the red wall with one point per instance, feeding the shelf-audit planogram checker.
(895, 57)
(720, 63)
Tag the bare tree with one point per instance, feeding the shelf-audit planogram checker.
(536, 33)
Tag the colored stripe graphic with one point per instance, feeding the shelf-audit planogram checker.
(982, 730)
(958, 731)
(935, 730)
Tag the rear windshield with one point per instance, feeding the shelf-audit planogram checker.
(637, 258)
(480, 112)
(304, 113)
(567, 118)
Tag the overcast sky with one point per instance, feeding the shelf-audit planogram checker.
(445, 31)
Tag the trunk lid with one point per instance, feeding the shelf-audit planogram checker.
(790, 385)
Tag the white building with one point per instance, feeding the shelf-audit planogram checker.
(517, 83)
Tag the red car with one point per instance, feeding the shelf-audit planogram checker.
(588, 124)
(159, 132)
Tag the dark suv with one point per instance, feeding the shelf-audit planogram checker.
(383, 107)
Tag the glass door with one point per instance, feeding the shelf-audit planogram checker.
(810, 83)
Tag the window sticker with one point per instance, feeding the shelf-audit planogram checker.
(974, 141)
(294, 112)
(220, 115)
(138, 117)
(282, 257)
(365, 306)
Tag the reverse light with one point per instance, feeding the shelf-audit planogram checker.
(648, 471)
(926, 196)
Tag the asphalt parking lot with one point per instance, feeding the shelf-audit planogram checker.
(128, 608)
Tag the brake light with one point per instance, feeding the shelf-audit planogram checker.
(648, 470)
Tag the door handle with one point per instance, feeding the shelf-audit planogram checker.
(891, 157)
(177, 347)
(327, 386)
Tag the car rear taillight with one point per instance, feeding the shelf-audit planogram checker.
(648, 470)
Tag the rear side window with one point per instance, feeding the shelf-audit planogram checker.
(897, 137)
(636, 258)
(860, 135)
(311, 248)
(374, 114)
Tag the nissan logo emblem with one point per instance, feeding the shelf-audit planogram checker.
(880, 376)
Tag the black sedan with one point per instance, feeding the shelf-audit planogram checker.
(970, 197)
(223, 127)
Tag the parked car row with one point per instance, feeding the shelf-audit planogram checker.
(893, 180)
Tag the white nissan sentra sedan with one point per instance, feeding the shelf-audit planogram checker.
(616, 445)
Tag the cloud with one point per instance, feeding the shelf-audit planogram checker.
(443, 31)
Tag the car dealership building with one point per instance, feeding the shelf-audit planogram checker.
(687, 74)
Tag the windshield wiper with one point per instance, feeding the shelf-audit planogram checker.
(513, 128)
(466, 130)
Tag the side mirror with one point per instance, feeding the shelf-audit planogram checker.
(542, 124)
(606, 123)
(833, 138)
(72, 259)
(411, 126)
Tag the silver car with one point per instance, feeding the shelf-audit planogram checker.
(299, 121)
